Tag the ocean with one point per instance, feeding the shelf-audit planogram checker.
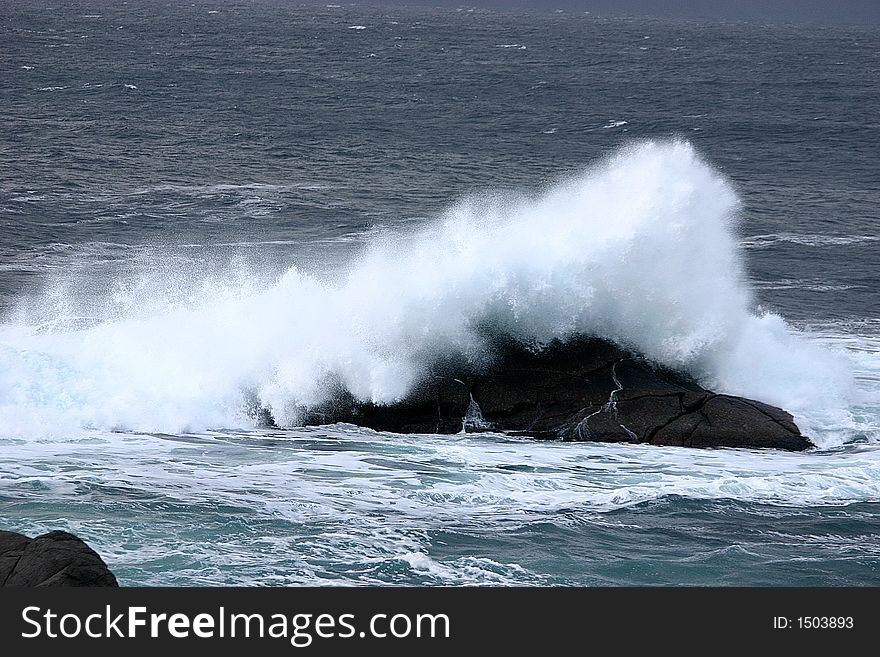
(213, 207)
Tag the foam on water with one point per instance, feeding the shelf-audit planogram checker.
(763, 241)
(641, 249)
(344, 505)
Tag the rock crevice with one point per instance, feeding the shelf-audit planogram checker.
(585, 389)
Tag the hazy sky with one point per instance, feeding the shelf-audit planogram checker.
(861, 12)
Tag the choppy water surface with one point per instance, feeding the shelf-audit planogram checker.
(204, 206)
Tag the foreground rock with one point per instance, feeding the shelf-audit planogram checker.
(586, 390)
(53, 559)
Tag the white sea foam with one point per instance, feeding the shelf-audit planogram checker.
(763, 241)
(290, 507)
(640, 249)
(802, 284)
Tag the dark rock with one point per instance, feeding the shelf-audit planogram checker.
(585, 389)
(53, 559)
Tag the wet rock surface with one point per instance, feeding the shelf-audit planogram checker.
(581, 390)
(53, 559)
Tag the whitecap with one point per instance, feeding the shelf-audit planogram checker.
(640, 249)
(805, 239)
(802, 284)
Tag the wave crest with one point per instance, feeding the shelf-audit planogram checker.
(640, 249)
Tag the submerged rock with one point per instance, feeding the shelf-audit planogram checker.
(53, 559)
(582, 390)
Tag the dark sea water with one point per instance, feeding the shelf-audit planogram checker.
(203, 206)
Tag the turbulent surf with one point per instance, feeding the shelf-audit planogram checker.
(215, 219)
